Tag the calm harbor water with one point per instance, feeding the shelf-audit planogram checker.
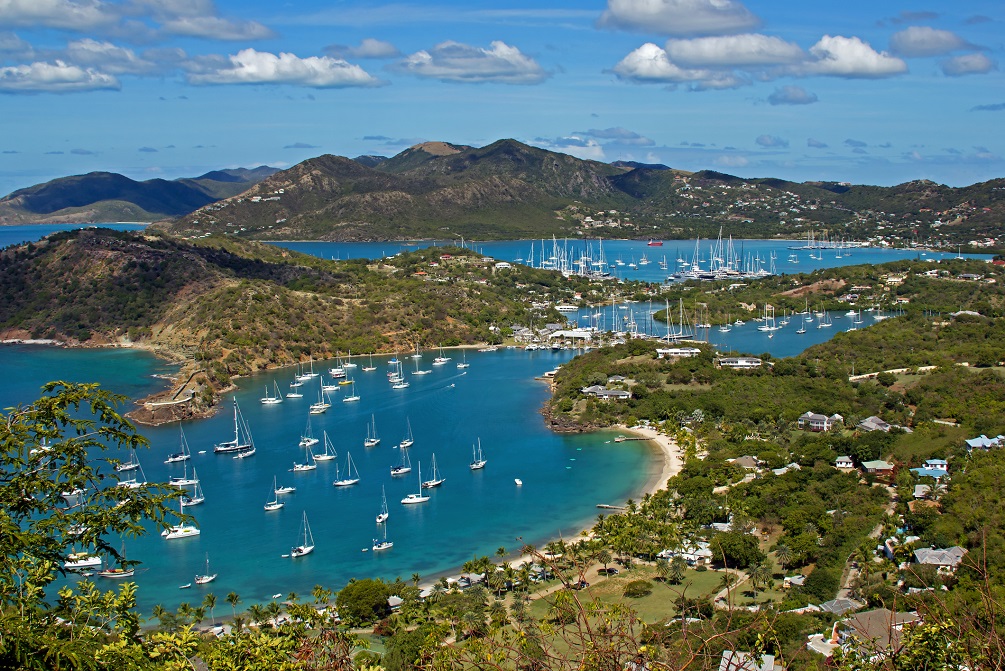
(473, 513)
(15, 235)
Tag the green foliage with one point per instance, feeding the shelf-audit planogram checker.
(736, 550)
(363, 601)
(637, 589)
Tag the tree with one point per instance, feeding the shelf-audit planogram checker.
(49, 448)
(233, 599)
(783, 555)
(363, 601)
(678, 566)
(760, 576)
(210, 602)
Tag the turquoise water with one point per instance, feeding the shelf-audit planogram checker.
(633, 250)
(471, 514)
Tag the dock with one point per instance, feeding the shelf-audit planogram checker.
(607, 506)
(621, 439)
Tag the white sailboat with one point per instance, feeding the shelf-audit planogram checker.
(180, 531)
(294, 393)
(197, 495)
(440, 360)
(185, 453)
(277, 490)
(275, 503)
(242, 435)
(307, 545)
(206, 577)
(329, 452)
(184, 480)
(244, 454)
(328, 387)
(135, 482)
(416, 498)
(477, 460)
(404, 467)
(272, 400)
(463, 363)
(385, 544)
(323, 403)
(436, 480)
(352, 397)
(370, 368)
(82, 561)
(417, 355)
(349, 363)
(372, 440)
(307, 438)
(131, 465)
(383, 514)
(421, 371)
(408, 440)
(308, 465)
(351, 474)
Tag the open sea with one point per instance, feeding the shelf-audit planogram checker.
(496, 400)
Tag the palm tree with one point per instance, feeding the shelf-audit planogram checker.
(210, 602)
(783, 555)
(604, 557)
(678, 566)
(663, 569)
(760, 576)
(233, 599)
(500, 552)
(415, 579)
(256, 614)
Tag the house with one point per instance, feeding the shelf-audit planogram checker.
(878, 467)
(922, 491)
(814, 421)
(797, 580)
(926, 472)
(874, 423)
(747, 462)
(614, 394)
(734, 660)
(844, 463)
(695, 555)
(678, 352)
(741, 362)
(394, 603)
(983, 442)
(874, 632)
(839, 606)
(616, 378)
(793, 466)
(946, 560)
(937, 463)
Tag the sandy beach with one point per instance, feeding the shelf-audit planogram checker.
(673, 457)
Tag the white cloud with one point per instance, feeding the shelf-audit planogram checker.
(968, 64)
(216, 28)
(792, 95)
(771, 141)
(368, 48)
(650, 63)
(731, 161)
(574, 146)
(678, 17)
(839, 56)
(12, 45)
(750, 49)
(920, 41)
(815, 144)
(63, 14)
(108, 57)
(618, 135)
(256, 67)
(56, 77)
(456, 62)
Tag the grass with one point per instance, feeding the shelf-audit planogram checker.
(656, 606)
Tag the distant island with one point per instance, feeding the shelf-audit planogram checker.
(510, 190)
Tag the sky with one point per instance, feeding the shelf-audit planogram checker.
(863, 92)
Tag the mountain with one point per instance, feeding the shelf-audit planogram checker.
(109, 196)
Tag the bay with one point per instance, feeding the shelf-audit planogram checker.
(15, 235)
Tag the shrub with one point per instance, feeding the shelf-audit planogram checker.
(638, 588)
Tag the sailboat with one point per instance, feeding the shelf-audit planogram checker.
(408, 440)
(180, 531)
(397, 377)
(242, 435)
(277, 490)
(135, 482)
(416, 498)
(421, 371)
(197, 495)
(404, 467)
(825, 321)
(372, 440)
(307, 546)
(305, 376)
(294, 393)
(329, 452)
(206, 577)
(464, 361)
(477, 460)
(185, 453)
(307, 438)
(351, 474)
(272, 400)
(131, 465)
(118, 571)
(385, 544)
(440, 360)
(348, 361)
(352, 396)
(82, 561)
(417, 355)
(436, 480)
(184, 480)
(383, 514)
(323, 403)
(308, 465)
(275, 503)
(328, 387)
(370, 368)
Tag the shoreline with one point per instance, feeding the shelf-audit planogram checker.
(673, 461)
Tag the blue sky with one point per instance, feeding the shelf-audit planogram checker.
(865, 92)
